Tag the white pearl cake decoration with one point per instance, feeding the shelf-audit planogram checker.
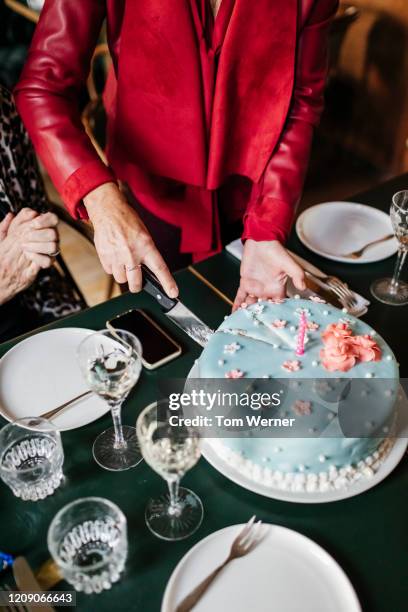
(321, 458)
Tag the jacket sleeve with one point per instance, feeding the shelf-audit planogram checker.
(47, 97)
(269, 215)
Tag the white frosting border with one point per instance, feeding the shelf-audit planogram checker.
(332, 479)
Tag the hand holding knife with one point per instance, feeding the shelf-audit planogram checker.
(175, 310)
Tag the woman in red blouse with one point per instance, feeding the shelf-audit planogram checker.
(210, 123)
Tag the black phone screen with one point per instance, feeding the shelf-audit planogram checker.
(155, 343)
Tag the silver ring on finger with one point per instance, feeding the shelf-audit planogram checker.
(131, 269)
(55, 254)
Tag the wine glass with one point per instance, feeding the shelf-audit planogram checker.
(110, 361)
(393, 290)
(170, 451)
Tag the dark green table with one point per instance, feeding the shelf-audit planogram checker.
(368, 535)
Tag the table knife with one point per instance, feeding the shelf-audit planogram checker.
(175, 310)
(26, 581)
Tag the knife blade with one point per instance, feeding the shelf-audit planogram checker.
(26, 581)
(175, 310)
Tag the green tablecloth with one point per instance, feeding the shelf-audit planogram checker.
(368, 534)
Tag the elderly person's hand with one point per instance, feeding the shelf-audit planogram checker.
(265, 269)
(122, 240)
(17, 272)
(38, 235)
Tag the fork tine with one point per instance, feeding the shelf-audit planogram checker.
(242, 534)
(340, 288)
(247, 527)
(343, 288)
(261, 533)
(343, 295)
(336, 291)
(251, 537)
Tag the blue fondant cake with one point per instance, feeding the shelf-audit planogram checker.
(261, 341)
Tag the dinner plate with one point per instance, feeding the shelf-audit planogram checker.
(41, 373)
(333, 229)
(286, 572)
(319, 497)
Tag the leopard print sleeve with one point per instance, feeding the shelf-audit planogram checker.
(50, 296)
(20, 181)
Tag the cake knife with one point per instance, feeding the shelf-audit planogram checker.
(175, 310)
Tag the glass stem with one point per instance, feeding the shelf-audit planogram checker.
(402, 253)
(117, 425)
(174, 507)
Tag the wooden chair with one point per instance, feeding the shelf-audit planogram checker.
(22, 9)
(366, 116)
(94, 116)
(345, 17)
(83, 229)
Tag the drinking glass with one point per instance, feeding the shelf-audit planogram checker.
(31, 458)
(170, 451)
(88, 541)
(110, 361)
(394, 291)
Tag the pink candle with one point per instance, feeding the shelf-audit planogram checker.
(300, 348)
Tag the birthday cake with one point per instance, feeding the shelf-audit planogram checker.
(324, 359)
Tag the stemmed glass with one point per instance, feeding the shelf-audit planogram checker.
(170, 451)
(110, 361)
(393, 290)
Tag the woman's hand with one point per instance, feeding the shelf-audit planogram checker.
(38, 235)
(122, 240)
(17, 272)
(265, 268)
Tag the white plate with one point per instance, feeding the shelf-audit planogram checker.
(390, 463)
(286, 572)
(335, 228)
(41, 373)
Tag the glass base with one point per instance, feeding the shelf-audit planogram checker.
(117, 459)
(384, 291)
(173, 526)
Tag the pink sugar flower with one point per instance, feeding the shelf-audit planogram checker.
(234, 374)
(335, 332)
(302, 408)
(338, 356)
(366, 348)
(279, 323)
(317, 299)
(291, 366)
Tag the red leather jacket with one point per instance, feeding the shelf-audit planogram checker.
(163, 132)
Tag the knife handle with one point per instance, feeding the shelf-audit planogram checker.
(153, 287)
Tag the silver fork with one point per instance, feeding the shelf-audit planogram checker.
(340, 289)
(14, 607)
(246, 540)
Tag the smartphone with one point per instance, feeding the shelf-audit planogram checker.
(158, 347)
